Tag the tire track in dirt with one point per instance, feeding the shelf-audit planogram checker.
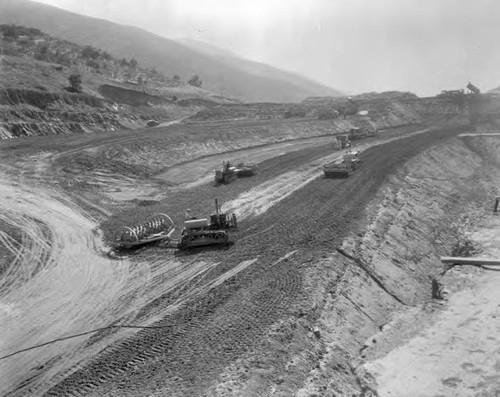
(214, 329)
(259, 199)
(60, 284)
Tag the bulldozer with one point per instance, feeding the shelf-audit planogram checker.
(344, 167)
(207, 231)
(196, 232)
(227, 174)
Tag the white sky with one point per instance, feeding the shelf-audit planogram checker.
(423, 46)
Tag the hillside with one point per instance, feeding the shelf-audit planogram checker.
(238, 79)
(495, 91)
(260, 69)
(54, 86)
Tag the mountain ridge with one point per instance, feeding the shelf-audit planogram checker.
(234, 79)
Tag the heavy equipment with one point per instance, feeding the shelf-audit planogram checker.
(472, 88)
(159, 227)
(207, 231)
(196, 232)
(229, 173)
(245, 169)
(357, 133)
(344, 140)
(342, 168)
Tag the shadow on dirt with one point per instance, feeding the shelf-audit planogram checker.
(207, 248)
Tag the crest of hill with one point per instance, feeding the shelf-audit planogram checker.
(241, 79)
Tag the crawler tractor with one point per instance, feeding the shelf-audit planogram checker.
(246, 169)
(197, 232)
(342, 168)
(229, 173)
(207, 231)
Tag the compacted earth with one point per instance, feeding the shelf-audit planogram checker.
(317, 267)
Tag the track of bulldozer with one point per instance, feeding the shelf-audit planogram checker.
(189, 348)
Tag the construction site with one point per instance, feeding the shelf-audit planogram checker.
(257, 257)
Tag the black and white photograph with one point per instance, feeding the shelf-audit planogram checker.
(265, 198)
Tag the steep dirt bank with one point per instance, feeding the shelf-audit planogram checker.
(452, 351)
(154, 154)
(29, 112)
(386, 268)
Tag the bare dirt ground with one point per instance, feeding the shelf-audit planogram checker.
(239, 321)
(449, 348)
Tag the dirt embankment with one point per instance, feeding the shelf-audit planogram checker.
(452, 351)
(130, 97)
(28, 112)
(155, 154)
(386, 268)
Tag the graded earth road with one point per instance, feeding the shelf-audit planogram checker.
(203, 310)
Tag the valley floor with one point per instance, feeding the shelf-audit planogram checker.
(318, 266)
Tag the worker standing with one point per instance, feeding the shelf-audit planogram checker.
(188, 216)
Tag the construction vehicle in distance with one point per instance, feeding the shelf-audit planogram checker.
(207, 231)
(344, 140)
(229, 173)
(342, 168)
(357, 133)
(451, 93)
(245, 169)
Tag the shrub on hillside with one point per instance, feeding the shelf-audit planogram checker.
(195, 81)
(89, 52)
(75, 83)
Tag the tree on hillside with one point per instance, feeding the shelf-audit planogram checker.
(75, 83)
(133, 63)
(42, 52)
(106, 56)
(195, 81)
(90, 52)
(10, 32)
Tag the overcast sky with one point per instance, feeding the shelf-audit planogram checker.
(423, 46)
